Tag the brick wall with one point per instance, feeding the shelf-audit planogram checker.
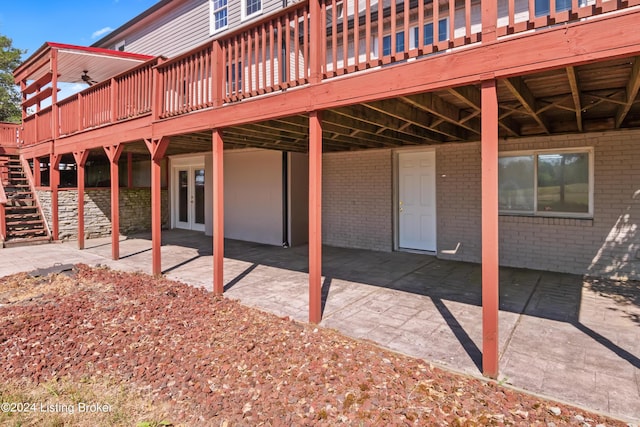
(357, 199)
(135, 211)
(458, 201)
(607, 245)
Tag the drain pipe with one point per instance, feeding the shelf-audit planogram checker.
(285, 199)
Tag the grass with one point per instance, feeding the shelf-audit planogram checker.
(90, 402)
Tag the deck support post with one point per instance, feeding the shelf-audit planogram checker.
(113, 152)
(218, 212)
(54, 182)
(157, 148)
(490, 242)
(315, 217)
(37, 173)
(81, 160)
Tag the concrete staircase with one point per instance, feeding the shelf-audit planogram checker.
(23, 216)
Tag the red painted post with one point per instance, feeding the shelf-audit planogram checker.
(157, 148)
(37, 174)
(81, 159)
(315, 216)
(156, 217)
(489, 20)
(54, 182)
(490, 270)
(315, 42)
(217, 74)
(113, 152)
(218, 212)
(54, 95)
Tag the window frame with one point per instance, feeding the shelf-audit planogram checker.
(554, 214)
(212, 17)
(246, 16)
(120, 46)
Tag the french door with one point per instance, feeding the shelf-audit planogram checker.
(188, 205)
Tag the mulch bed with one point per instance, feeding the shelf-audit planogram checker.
(217, 362)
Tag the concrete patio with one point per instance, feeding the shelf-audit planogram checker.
(571, 338)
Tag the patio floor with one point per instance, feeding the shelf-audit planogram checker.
(570, 338)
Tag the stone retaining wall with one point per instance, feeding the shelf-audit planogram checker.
(135, 211)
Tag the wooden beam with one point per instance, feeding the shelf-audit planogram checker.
(435, 105)
(380, 117)
(521, 91)
(343, 123)
(315, 217)
(218, 211)
(470, 95)
(633, 86)
(157, 148)
(419, 117)
(490, 241)
(113, 153)
(81, 160)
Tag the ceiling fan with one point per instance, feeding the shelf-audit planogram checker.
(87, 78)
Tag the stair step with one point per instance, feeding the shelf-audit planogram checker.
(15, 203)
(26, 233)
(24, 241)
(17, 223)
(22, 216)
(10, 209)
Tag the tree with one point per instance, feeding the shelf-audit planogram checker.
(10, 59)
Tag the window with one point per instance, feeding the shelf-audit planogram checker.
(386, 43)
(120, 46)
(443, 33)
(543, 7)
(546, 183)
(218, 15)
(234, 85)
(250, 8)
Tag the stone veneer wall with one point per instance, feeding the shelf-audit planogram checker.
(135, 211)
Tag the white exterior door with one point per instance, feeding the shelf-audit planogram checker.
(417, 200)
(188, 206)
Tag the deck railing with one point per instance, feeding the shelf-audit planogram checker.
(9, 134)
(275, 53)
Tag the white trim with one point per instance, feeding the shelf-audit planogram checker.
(177, 163)
(243, 12)
(212, 19)
(535, 154)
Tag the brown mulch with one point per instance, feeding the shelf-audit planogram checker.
(212, 361)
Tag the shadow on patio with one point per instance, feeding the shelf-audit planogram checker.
(571, 337)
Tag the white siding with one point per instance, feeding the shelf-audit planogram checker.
(174, 30)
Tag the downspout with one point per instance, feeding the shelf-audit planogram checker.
(285, 199)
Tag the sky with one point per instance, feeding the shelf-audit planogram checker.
(31, 23)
